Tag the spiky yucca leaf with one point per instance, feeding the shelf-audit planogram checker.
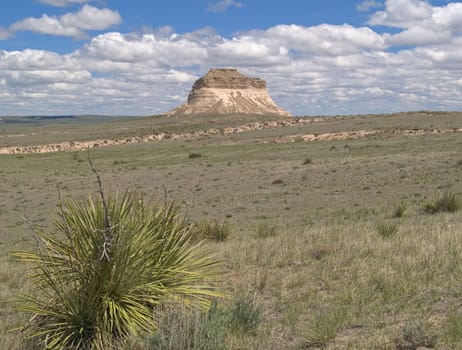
(101, 283)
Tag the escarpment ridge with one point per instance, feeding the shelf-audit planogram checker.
(292, 137)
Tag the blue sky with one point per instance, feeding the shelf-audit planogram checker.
(227, 18)
(140, 57)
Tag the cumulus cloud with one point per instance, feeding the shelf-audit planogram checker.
(147, 49)
(449, 16)
(91, 18)
(402, 13)
(421, 23)
(326, 39)
(46, 25)
(223, 5)
(366, 5)
(71, 24)
(419, 13)
(417, 36)
(324, 69)
(36, 60)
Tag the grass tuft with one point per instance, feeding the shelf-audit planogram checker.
(447, 202)
(213, 230)
(326, 326)
(400, 209)
(265, 231)
(386, 230)
(244, 316)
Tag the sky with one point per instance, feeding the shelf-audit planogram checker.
(141, 57)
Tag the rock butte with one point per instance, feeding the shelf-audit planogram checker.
(226, 91)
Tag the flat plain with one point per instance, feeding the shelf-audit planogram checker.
(308, 219)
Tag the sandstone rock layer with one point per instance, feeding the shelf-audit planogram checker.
(226, 91)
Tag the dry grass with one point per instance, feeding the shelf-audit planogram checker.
(326, 278)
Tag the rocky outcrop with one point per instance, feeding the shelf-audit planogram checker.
(226, 91)
(270, 124)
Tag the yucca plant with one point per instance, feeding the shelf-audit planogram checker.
(109, 264)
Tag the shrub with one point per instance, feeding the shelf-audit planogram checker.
(386, 230)
(415, 334)
(307, 161)
(180, 328)
(194, 155)
(447, 202)
(212, 230)
(119, 259)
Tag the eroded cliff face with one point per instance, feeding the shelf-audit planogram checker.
(226, 91)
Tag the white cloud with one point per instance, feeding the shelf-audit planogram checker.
(63, 3)
(144, 49)
(246, 50)
(46, 25)
(91, 18)
(366, 5)
(324, 69)
(449, 16)
(419, 14)
(36, 60)
(421, 23)
(43, 77)
(402, 13)
(71, 24)
(418, 36)
(326, 38)
(223, 5)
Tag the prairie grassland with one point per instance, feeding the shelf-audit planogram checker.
(306, 248)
